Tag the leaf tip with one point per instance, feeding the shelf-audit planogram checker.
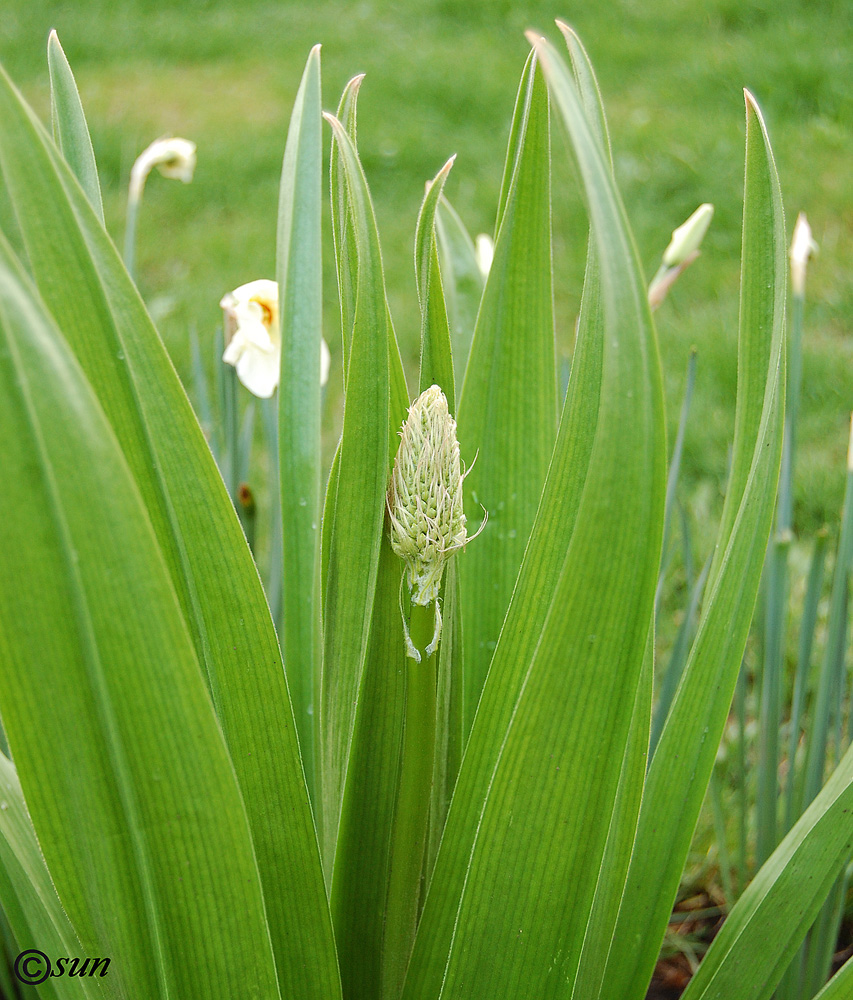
(355, 84)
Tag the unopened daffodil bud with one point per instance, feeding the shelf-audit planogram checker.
(484, 253)
(175, 158)
(253, 337)
(687, 238)
(425, 495)
(802, 247)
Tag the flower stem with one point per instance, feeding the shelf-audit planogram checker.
(130, 232)
(411, 813)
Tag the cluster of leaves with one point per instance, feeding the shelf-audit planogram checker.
(171, 820)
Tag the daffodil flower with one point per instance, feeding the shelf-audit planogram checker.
(253, 337)
(175, 158)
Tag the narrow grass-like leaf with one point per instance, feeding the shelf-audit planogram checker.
(462, 278)
(437, 369)
(140, 817)
(30, 904)
(518, 865)
(760, 935)
(87, 289)
(300, 269)
(70, 130)
(832, 667)
(346, 251)
(808, 623)
(840, 987)
(508, 405)
(436, 352)
(686, 751)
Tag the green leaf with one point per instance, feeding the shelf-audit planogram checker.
(682, 764)
(99, 311)
(346, 251)
(508, 405)
(516, 873)
(436, 352)
(69, 125)
(172, 893)
(840, 987)
(300, 270)
(356, 510)
(29, 901)
(763, 931)
(462, 278)
(363, 857)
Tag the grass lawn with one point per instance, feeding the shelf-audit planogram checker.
(441, 79)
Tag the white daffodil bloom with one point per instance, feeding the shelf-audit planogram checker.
(175, 158)
(253, 337)
(484, 253)
(802, 247)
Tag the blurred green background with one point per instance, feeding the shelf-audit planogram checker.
(441, 79)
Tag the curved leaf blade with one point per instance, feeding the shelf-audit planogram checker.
(87, 289)
(686, 750)
(760, 936)
(517, 867)
(69, 125)
(171, 891)
(29, 900)
(300, 271)
(508, 404)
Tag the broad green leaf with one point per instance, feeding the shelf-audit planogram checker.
(88, 291)
(681, 767)
(139, 815)
(300, 270)
(508, 404)
(70, 130)
(362, 860)
(764, 929)
(30, 904)
(516, 873)
(356, 513)
(620, 838)
(436, 351)
(462, 278)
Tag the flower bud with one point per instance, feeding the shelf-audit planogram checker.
(174, 158)
(484, 253)
(802, 247)
(687, 239)
(425, 495)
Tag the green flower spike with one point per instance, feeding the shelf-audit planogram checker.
(425, 502)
